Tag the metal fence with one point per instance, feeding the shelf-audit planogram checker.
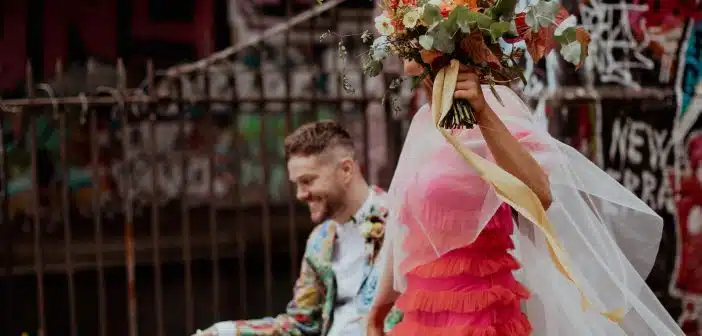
(165, 208)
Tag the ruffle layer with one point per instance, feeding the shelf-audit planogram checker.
(490, 241)
(462, 302)
(469, 262)
(518, 326)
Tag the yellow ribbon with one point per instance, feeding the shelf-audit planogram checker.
(510, 189)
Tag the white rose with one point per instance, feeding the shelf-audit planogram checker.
(411, 18)
(384, 25)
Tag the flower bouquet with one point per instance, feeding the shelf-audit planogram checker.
(441, 34)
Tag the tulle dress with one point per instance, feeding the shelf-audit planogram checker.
(449, 241)
(470, 291)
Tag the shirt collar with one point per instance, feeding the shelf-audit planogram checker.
(364, 209)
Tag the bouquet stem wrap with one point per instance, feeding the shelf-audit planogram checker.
(509, 189)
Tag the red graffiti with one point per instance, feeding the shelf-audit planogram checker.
(687, 278)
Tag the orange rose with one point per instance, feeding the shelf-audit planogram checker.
(471, 4)
(428, 56)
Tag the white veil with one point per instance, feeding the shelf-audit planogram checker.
(608, 236)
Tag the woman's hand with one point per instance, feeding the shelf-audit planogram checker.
(468, 88)
(374, 330)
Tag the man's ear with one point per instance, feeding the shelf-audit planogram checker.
(348, 167)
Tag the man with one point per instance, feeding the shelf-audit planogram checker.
(338, 277)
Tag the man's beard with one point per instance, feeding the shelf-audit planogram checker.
(330, 207)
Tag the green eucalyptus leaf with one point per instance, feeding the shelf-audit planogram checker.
(443, 40)
(542, 14)
(503, 9)
(571, 52)
(497, 29)
(432, 15)
(567, 36)
(426, 41)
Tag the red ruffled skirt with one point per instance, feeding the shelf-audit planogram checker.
(469, 291)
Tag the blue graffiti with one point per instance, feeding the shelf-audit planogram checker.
(692, 73)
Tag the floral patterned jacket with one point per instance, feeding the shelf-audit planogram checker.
(311, 310)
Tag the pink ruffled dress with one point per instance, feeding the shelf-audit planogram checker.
(470, 291)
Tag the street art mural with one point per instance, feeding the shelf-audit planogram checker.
(650, 145)
(246, 139)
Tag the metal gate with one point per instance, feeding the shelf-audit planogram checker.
(166, 207)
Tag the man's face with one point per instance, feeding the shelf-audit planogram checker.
(320, 181)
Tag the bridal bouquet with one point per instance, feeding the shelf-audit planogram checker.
(440, 34)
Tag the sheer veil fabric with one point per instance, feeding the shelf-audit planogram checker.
(609, 236)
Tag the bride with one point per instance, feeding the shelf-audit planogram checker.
(584, 243)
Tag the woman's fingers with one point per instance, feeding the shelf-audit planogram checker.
(466, 84)
(464, 76)
(468, 95)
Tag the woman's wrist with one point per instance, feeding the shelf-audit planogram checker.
(483, 113)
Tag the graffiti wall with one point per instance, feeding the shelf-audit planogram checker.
(649, 144)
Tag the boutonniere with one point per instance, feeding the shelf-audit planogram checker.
(373, 231)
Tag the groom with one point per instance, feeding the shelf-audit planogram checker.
(338, 278)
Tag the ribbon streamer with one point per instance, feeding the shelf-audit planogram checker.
(509, 189)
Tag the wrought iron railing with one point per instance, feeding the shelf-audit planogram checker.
(165, 208)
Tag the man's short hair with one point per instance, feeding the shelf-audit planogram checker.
(317, 137)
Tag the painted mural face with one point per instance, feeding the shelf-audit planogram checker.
(319, 182)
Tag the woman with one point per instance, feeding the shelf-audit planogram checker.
(447, 261)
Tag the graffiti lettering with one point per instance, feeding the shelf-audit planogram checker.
(643, 152)
(614, 50)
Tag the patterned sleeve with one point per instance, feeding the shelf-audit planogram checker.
(302, 317)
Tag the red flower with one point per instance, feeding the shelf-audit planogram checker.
(445, 10)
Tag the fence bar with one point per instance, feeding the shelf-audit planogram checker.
(212, 209)
(155, 208)
(97, 176)
(38, 248)
(241, 234)
(65, 208)
(292, 226)
(185, 216)
(9, 104)
(7, 228)
(265, 201)
(129, 251)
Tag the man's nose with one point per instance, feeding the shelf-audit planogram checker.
(302, 194)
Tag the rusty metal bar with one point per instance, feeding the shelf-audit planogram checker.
(212, 208)
(155, 209)
(65, 209)
(38, 248)
(292, 226)
(132, 314)
(265, 201)
(236, 197)
(7, 229)
(97, 179)
(139, 99)
(185, 218)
